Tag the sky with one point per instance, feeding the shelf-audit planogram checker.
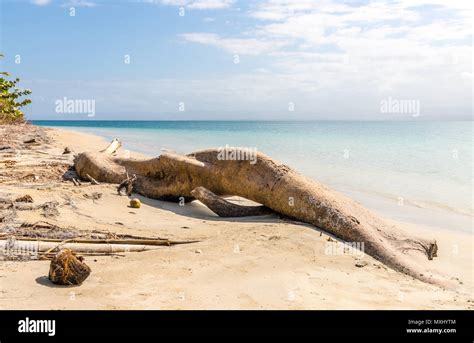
(240, 60)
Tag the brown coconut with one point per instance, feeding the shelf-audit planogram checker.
(68, 269)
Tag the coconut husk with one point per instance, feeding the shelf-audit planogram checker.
(24, 198)
(68, 269)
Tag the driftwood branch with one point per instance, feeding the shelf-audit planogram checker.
(92, 180)
(275, 186)
(47, 246)
(127, 241)
(127, 184)
(113, 147)
(224, 208)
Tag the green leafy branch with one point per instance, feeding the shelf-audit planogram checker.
(10, 99)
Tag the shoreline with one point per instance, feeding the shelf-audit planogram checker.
(239, 263)
(438, 218)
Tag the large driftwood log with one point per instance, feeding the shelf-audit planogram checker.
(276, 186)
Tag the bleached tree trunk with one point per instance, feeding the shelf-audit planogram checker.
(276, 186)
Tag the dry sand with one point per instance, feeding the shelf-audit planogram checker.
(252, 263)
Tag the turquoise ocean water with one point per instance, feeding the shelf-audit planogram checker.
(394, 166)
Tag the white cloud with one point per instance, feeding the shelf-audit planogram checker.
(79, 3)
(170, 2)
(41, 2)
(243, 46)
(197, 4)
(420, 49)
(210, 4)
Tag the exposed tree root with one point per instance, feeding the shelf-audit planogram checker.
(127, 184)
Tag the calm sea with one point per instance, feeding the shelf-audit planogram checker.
(393, 166)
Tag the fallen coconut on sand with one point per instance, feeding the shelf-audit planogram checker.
(68, 269)
(204, 175)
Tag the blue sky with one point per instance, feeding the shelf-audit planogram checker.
(229, 59)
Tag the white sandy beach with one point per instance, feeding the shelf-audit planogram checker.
(252, 263)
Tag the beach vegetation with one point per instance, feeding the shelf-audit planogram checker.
(11, 99)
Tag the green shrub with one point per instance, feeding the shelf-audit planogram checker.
(10, 102)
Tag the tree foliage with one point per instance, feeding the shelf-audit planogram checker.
(10, 99)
